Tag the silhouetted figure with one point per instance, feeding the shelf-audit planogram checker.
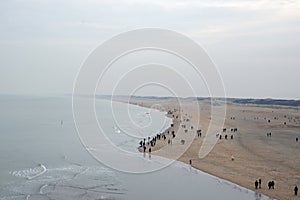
(225, 137)
(297, 139)
(190, 162)
(199, 133)
(256, 184)
(296, 190)
(272, 184)
(231, 137)
(269, 185)
(220, 137)
(150, 150)
(259, 183)
(144, 148)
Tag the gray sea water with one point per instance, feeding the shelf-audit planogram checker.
(41, 157)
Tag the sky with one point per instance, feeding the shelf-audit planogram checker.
(255, 44)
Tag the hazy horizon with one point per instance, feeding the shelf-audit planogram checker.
(148, 96)
(255, 45)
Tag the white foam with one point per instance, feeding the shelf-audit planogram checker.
(30, 173)
(42, 188)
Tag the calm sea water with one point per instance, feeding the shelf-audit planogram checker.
(42, 158)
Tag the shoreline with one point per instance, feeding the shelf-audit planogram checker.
(212, 166)
(193, 170)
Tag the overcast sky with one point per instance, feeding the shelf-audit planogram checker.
(254, 44)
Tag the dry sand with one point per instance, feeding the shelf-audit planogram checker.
(255, 155)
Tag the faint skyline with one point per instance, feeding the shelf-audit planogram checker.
(254, 44)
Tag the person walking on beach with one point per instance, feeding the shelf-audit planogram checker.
(272, 184)
(269, 185)
(256, 184)
(296, 190)
(259, 183)
(190, 162)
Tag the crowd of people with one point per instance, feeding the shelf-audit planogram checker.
(151, 142)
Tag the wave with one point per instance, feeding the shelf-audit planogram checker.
(42, 188)
(30, 173)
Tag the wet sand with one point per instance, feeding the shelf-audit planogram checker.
(256, 156)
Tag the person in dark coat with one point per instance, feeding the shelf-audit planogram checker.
(272, 184)
(259, 183)
(296, 190)
(256, 184)
(269, 185)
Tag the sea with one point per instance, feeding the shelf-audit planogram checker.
(42, 156)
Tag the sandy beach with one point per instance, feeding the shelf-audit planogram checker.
(256, 155)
